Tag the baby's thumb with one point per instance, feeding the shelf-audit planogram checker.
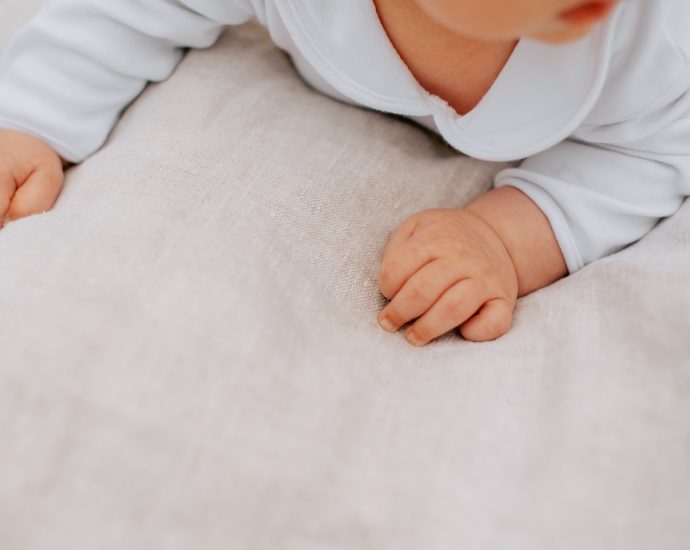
(37, 193)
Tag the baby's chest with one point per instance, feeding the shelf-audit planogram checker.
(461, 79)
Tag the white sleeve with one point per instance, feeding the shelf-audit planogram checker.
(606, 187)
(70, 71)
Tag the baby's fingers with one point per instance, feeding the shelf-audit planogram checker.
(37, 193)
(454, 307)
(398, 266)
(418, 294)
(7, 187)
(493, 320)
(400, 235)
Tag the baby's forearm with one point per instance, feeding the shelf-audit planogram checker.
(526, 233)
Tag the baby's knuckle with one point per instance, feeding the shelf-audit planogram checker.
(417, 291)
(450, 305)
(385, 273)
(386, 284)
(480, 285)
(385, 291)
(440, 238)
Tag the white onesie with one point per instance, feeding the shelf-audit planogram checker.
(602, 123)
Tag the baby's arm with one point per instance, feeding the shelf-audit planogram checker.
(66, 76)
(527, 235)
(600, 191)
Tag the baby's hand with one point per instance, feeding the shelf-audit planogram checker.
(443, 266)
(31, 175)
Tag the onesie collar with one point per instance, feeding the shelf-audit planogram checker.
(540, 97)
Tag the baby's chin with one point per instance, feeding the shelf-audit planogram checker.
(553, 34)
(563, 36)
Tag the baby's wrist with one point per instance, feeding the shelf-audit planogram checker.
(526, 234)
(495, 236)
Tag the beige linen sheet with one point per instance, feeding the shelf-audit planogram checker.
(189, 353)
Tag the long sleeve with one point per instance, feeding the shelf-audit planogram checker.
(70, 71)
(609, 184)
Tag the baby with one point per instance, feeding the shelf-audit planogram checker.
(592, 96)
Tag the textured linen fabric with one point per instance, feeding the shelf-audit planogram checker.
(190, 356)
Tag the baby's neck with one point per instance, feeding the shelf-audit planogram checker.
(456, 68)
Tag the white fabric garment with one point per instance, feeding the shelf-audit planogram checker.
(602, 123)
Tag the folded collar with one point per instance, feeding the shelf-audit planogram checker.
(540, 97)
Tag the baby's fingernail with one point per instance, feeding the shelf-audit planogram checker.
(412, 338)
(386, 324)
